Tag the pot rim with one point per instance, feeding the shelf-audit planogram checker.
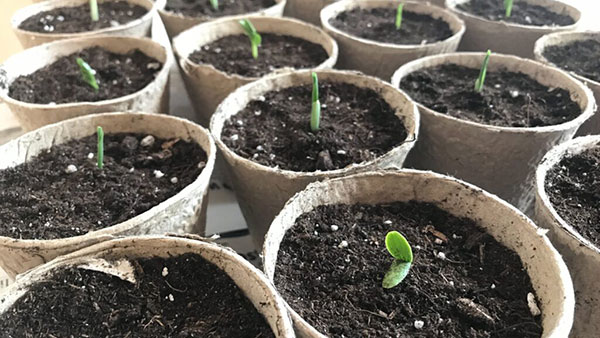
(164, 11)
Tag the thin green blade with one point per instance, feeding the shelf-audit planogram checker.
(396, 274)
(398, 246)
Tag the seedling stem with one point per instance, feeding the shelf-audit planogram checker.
(399, 16)
(508, 5)
(482, 72)
(315, 114)
(88, 74)
(94, 10)
(399, 248)
(100, 156)
(255, 38)
(215, 4)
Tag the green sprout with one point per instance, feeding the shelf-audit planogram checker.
(399, 248)
(100, 156)
(399, 16)
(215, 4)
(255, 38)
(88, 74)
(94, 10)
(508, 5)
(482, 72)
(315, 114)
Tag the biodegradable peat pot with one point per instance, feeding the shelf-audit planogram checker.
(548, 273)
(509, 38)
(154, 98)
(114, 257)
(207, 86)
(176, 23)
(501, 160)
(581, 255)
(592, 126)
(184, 212)
(137, 28)
(262, 190)
(382, 59)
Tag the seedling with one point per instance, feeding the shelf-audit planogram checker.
(215, 4)
(94, 10)
(482, 72)
(399, 16)
(255, 38)
(508, 5)
(100, 156)
(88, 74)
(399, 248)
(315, 113)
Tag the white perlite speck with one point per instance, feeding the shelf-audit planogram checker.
(171, 298)
(533, 307)
(388, 222)
(335, 228)
(419, 324)
(441, 255)
(343, 244)
(158, 174)
(71, 169)
(91, 156)
(174, 180)
(165, 272)
(147, 141)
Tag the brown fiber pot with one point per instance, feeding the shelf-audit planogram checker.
(582, 257)
(184, 212)
(382, 59)
(509, 38)
(262, 191)
(501, 160)
(549, 275)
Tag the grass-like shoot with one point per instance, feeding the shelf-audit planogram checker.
(100, 156)
(255, 38)
(508, 5)
(215, 4)
(482, 72)
(88, 74)
(399, 16)
(94, 10)
(399, 248)
(315, 113)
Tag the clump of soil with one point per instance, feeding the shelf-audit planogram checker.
(508, 99)
(182, 296)
(580, 57)
(232, 54)
(61, 82)
(195, 8)
(357, 125)
(44, 199)
(573, 187)
(77, 19)
(379, 24)
(462, 283)
(523, 13)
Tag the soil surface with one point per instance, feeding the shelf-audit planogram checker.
(379, 24)
(357, 125)
(508, 99)
(523, 13)
(40, 199)
(77, 19)
(580, 57)
(478, 290)
(233, 55)
(226, 7)
(61, 82)
(573, 187)
(183, 296)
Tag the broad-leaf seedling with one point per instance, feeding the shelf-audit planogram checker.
(94, 10)
(100, 156)
(215, 4)
(508, 5)
(88, 74)
(255, 38)
(482, 72)
(399, 248)
(399, 16)
(315, 113)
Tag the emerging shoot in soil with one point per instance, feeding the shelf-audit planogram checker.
(482, 72)
(100, 133)
(315, 114)
(254, 37)
(508, 5)
(399, 16)
(399, 248)
(215, 4)
(94, 10)
(87, 73)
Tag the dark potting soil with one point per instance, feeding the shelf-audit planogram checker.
(573, 187)
(508, 99)
(357, 125)
(581, 57)
(77, 19)
(226, 7)
(478, 290)
(61, 82)
(232, 54)
(523, 13)
(40, 199)
(379, 24)
(193, 299)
